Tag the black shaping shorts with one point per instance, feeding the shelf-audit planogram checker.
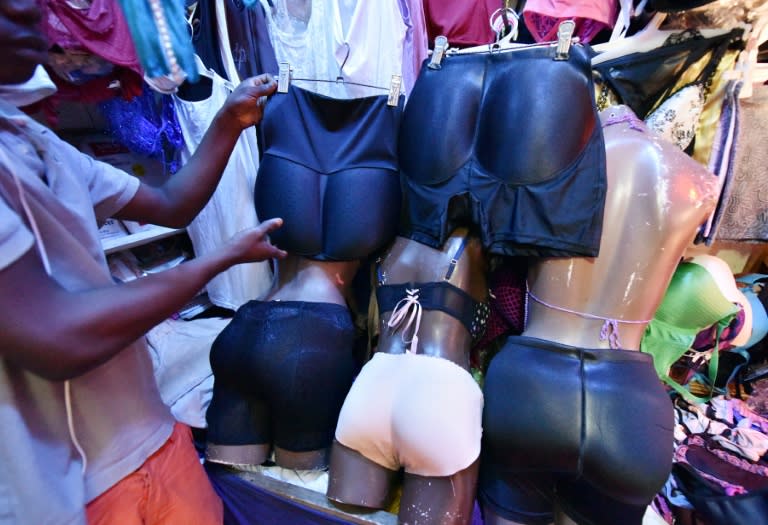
(509, 142)
(282, 371)
(330, 171)
(596, 421)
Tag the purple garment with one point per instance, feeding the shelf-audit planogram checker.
(247, 504)
(146, 125)
(723, 159)
(415, 46)
(706, 339)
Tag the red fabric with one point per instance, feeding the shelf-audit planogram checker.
(93, 92)
(464, 23)
(100, 29)
(170, 488)
(507, 302)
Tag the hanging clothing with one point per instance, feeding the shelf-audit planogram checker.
(161, 38)
(367, 43)
(330, 171)
(415, 45)
(465, 24)
(722, 161)
(361, 41)
(100, 29)
(249, 44)
(644, 79)
(542, 17)
(230, 208)
(541, 193)
(205, 37)
(745, 214)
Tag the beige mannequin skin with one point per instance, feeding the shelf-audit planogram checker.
(354, 479)
(298, 279)
(657, 197)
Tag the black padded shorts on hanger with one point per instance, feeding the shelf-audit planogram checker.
(330, 171)
(507, 141)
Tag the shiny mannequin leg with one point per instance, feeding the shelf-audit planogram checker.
(236, 454)
(356, 480)
(425, 500)
(439, 501)
(310, 460)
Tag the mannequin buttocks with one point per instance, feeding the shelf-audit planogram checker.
(357, 480)
(299, 280)
(315, 281)
(599, 307)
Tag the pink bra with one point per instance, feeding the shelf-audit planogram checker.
(542, 17)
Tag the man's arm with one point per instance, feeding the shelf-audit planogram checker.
(60, 334)
(180, 199)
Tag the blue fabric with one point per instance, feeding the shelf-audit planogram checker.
(146, 125)
(247, 504)
(146, 38)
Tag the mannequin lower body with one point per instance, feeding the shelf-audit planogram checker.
(589, 431)
(394, 417)
(282, 371)
(435, 500)
(533, 499)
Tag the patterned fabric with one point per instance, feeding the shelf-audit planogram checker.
(506, 313)
(745, 217)
(677, 118)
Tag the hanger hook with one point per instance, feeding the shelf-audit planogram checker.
(341, 67)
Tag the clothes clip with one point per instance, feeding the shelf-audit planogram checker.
(394, 90)
(441, 45)
(451, 268)
(283, 77)
(564, 36)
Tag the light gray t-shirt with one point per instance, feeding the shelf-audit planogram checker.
(118, 415)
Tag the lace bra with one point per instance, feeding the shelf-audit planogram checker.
(406, 301)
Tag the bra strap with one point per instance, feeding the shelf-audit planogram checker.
(456, 257)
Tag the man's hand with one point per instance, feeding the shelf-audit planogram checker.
(252, 245)
(245, 105)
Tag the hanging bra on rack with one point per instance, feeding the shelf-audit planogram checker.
(642, 80)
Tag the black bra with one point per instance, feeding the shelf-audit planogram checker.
(440, 295)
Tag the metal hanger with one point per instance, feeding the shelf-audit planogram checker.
(285, 76)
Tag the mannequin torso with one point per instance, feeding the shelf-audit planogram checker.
(657, 197)
(442, 492)
(408, 261)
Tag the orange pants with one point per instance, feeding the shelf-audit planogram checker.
(170, 488)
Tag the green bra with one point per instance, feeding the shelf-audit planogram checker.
(692, 303)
